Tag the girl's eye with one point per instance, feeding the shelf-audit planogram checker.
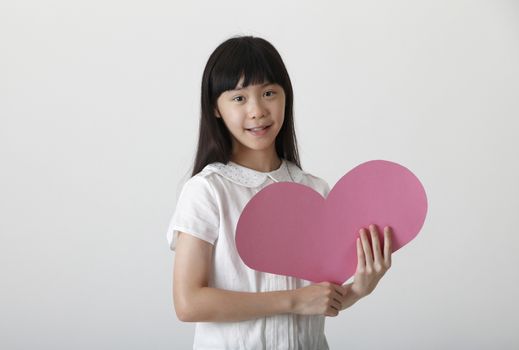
(240, 98)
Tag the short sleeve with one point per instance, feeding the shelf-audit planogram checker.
(196, 212)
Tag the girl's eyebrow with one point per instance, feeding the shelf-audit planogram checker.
(241, 87)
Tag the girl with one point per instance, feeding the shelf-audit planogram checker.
(246, 142)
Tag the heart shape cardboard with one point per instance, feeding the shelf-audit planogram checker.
(290, 229)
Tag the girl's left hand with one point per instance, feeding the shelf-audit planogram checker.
(370, 269)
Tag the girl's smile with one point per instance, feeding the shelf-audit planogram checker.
(260, 131)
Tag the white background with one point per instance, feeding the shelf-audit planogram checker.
(99, 105)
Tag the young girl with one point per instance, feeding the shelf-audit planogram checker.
(246, 142)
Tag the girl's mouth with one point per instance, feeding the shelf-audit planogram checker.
(259, 132)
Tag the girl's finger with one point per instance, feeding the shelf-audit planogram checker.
(376, 244)
(331, 311)
(388, 245)
(338, 290)
(336, 304)
(339, 297)
(367, 248)
(361, 260)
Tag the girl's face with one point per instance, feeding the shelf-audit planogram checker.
(254, 106)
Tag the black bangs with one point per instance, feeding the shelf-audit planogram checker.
(245, 58)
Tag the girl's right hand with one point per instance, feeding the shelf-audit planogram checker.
(322, 298)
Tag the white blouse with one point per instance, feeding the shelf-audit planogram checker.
(208, 207)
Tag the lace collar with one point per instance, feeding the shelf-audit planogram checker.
(287, 172)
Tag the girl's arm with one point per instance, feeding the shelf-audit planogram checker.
(196, 302)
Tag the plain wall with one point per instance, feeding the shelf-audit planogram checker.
(99, 106)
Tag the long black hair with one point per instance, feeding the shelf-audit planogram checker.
(257, 61)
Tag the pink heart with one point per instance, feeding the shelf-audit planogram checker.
(290, 229)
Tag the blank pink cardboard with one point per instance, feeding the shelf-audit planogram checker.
(290, 229)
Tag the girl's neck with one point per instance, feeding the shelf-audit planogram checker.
(259, 162)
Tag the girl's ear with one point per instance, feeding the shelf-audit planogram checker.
(216, 113)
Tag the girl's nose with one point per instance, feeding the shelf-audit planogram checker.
(257, 110)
